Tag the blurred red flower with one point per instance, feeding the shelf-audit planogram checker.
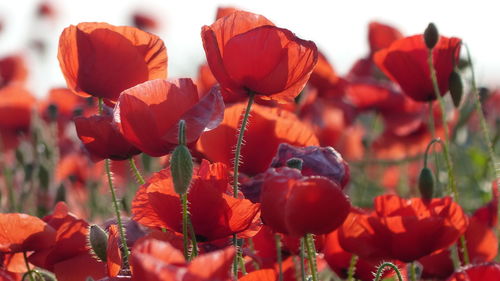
(276, 124)
(154, 260)
(248, 54)
(403, 229)
(102, 60)
(24, 233)
(215, 213)
(405, 62)
(481, 272)
(102, 138)
(296, 205)
(381, 36)
(12, 70)
(148, 114)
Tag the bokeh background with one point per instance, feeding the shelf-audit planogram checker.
(339, 28)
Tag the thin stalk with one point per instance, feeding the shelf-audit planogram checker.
(194, 251)
(463, 248)
(277, 240)
(117, 212)
(29, 272)
(137, 175)
(185, 236)
(115, 201)
(447, 156)
(428, 148)
(382, 267)
(432, 126)
(302, 263)
(311, 256)
(482, 119)
(413, 272)
(251, 246)
(352, 268)
(237, 153)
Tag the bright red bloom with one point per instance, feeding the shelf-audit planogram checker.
(296, 205)
(102, 60)
(154, 260)
(102, 138)
(277, 125)
(339, 260)
(405, 62)
(248, 54)
(148, 114)
(69, 258)
(16, 104)
(113, 253)
(381, 36)
(215, 214)
(12, 70)
(482, 272)
(23, 233)
(403, 229)
(326, 80)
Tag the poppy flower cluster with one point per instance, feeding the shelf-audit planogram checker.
(280, 189)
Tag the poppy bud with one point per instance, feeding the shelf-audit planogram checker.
(295, 163)
(98, 241)
(456, 88)
(181, 166)
(426, 183)
(53, 111)
(431, 36)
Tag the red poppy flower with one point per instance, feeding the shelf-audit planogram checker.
(148, 114)
(481, 272)
(113, 252)
(102, 60)
(277, 125)
(339, 260)
(16, 104)
(154, 260)
(405, 62)
(403, 229)
(247, 53)
(102, 138)
(260, 275)
(23, 233)
(69, 258)
(12, 70)
(215, 214)
(144, 21)
(224, 11)
(297, 205)
(326, 80)
(381, 36)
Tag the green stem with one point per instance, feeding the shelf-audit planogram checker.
(463, 248)
(352, 268)
(117, 212)
(29, 272)
(185, 237)
(237, 154)
(482, 120)
(251, 246)
(311, 256)
(239, 142)
(302, 263)
(447, 156)
(137, 175)
(277, 240)
(432, 126)
(115, 202)
(413, 272)
(428, 148)
(194, 242)
(382, 267)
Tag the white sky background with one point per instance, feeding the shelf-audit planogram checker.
(339, 28)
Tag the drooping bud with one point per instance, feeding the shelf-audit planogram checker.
(431, 36)
(456, 88)
(181, 163)
(295, 163)
(98, 240)
(426, 183)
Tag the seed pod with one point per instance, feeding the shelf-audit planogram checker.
(295, 163)
(98, 240)
(431, 36)
(456, 88)
(181, 166)
(426, 183)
